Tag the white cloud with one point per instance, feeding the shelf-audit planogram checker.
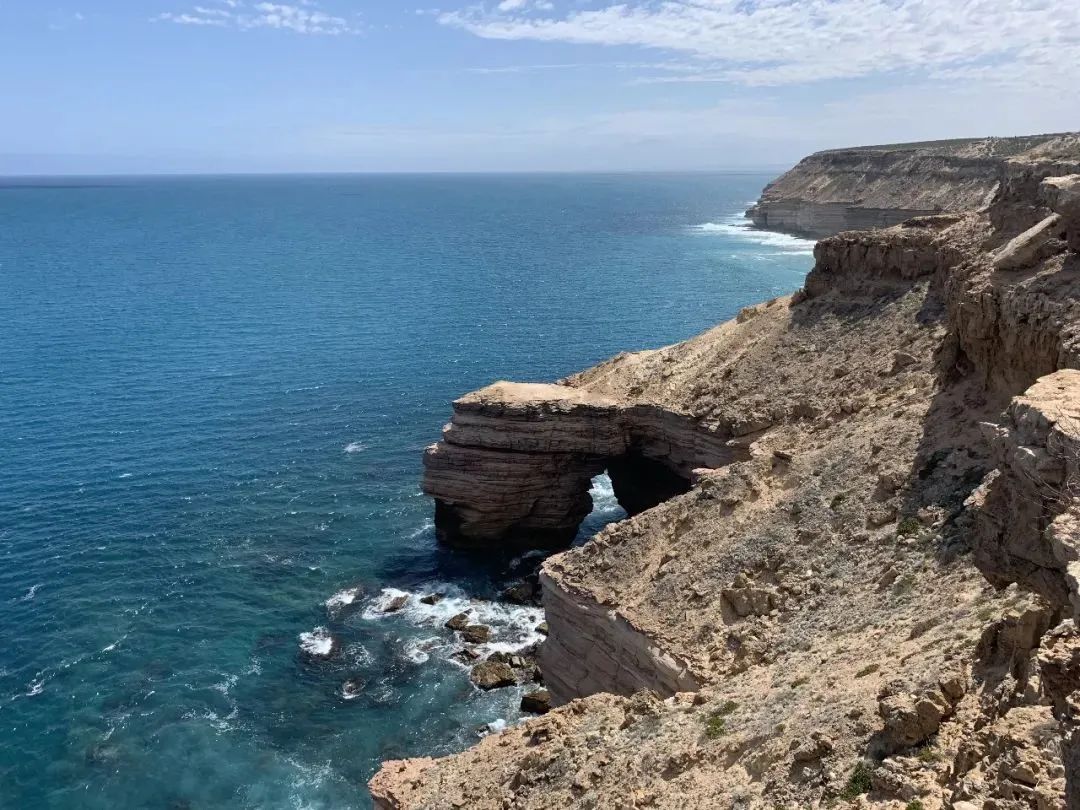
(304, 18)
(785, 42)
(522, 5)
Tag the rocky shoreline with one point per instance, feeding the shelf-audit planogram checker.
(850, 571)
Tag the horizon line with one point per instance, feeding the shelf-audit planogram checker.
(387, 173)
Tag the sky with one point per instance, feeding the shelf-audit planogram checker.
(209, 86)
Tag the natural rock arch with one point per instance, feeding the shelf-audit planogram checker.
(516, 462)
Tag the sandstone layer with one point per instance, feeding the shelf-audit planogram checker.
(881, 186)
(516, 462)
(863, 588)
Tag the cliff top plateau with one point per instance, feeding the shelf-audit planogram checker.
(879, 186)
(852, 567)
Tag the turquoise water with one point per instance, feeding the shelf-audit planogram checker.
(214, 395)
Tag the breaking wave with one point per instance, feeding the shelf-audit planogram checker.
(741, 228)
(513, 627)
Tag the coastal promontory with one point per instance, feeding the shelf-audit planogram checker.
(849, 575)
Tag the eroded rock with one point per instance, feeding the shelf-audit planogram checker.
(492, 675)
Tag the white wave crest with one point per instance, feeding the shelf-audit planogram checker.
(741, 228)
(418, 650)
(602, 493)
(342, 599)
(30, 594)
(513, 627)
(318, 643)
(428, 526)
(355, 447)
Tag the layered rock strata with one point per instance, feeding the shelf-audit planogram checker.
(867, 593)
(516, 462)
(881, 186)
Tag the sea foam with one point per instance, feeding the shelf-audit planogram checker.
(318, 643)
(741, 228)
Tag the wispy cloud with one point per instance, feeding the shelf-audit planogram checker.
(788, 42)
(304, 18)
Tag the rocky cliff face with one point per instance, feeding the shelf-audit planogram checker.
(862, 589)
(881, 186)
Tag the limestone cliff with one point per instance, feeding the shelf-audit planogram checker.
(880, 186)
(850, 574)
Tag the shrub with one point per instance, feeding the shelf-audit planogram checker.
(715, 726)
(908, 527)
(867, 670)
(858, 783)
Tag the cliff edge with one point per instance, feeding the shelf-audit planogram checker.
(881, 186)
(851, 572)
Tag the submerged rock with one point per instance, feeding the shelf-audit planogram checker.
(319, 645)
(396, 604)
(352, 688)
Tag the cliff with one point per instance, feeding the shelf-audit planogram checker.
(881, 186)
(851, 570)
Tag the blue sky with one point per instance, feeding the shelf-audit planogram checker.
(116, 86)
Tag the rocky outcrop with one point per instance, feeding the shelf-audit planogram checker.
(592, 648)
(1028, 524)
(881, 186)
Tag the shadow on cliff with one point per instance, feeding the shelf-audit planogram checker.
(976, 379)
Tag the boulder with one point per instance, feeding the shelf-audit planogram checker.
(396, 604)
(1062, 195)
(1031, 246)
(466, 655)
(458, 622)
(476, 633)
(912, 717)
(521, 593)
(432, 598)
(538, 702)
(492, 675)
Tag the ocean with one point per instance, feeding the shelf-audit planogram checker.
(214, 398)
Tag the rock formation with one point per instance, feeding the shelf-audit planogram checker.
(516, 462)
(850, 573)
(880, 186)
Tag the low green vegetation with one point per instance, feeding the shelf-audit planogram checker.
(858, 783)
(927, 754)
(715, 726)
(908, 527)
(914, 804)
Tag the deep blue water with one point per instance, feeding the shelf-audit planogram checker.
(214, 395)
